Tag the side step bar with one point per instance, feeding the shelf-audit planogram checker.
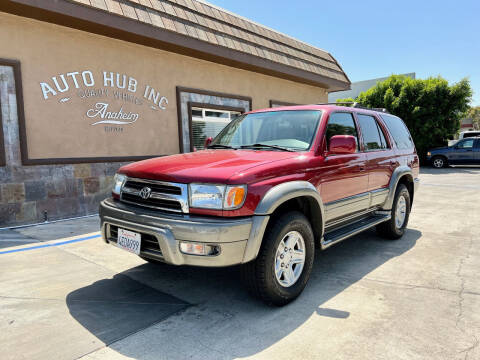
(345, 232)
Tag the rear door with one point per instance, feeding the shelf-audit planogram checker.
(462, 152)
(380, 155)
(343, 179)
(476, 151)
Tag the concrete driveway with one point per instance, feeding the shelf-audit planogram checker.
(416, 298)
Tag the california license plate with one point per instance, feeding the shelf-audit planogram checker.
(129, 240)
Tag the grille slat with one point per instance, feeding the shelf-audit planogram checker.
(158, 188)
(163, 196)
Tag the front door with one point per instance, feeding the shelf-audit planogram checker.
(343, 180)
(462, 152)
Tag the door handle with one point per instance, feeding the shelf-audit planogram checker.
(361, 168)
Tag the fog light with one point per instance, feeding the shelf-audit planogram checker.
(201, 249)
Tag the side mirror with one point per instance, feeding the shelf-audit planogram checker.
(342, 144)
(208, 141)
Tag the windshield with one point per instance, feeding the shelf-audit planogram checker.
(274, 130)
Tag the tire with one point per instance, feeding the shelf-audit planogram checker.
(439, 162)
(259, 275)
(391, 229)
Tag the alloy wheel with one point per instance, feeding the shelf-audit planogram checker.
(290, 259)
(400, 212)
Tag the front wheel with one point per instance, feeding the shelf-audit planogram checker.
(285, 261)
(439, 162)
(395, 227)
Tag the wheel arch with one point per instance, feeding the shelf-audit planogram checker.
(299, 196)
(401, 175)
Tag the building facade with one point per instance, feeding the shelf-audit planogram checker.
(358, 87)
(89, 85)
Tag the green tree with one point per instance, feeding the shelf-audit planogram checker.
(431, 108)
(474, 114)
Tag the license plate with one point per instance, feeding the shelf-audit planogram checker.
(129, 240)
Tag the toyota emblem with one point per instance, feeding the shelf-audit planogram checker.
(145, 193)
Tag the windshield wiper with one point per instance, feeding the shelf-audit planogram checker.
(258, 145)
(220, 146)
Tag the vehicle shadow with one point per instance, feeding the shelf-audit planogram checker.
(223, 318)
(458, 169)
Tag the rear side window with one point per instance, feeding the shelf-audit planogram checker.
(341, 124)
(373, 138)
(399, 131)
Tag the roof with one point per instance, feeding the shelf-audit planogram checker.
(201, 27)
(329, 107)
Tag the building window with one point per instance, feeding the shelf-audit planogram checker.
(208, 123)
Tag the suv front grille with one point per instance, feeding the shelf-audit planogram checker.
(161, 195)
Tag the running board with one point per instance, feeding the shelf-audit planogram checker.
(355, 228)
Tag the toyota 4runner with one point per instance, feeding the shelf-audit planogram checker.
(270, 189)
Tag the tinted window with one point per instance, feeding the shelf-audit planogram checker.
(478, 144)
(399, 131)
(341, 124)
(466, 144)
(471, 134)
(373, 138)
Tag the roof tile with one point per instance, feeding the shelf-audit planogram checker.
(128, 10)
(114, 6)
(156, 18)
(208, 23)
(142, 15)
(99, 4)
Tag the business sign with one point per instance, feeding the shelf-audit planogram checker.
(110, 98)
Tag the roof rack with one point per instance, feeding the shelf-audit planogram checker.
(357, 105)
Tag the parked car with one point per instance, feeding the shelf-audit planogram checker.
(463, 152)
(270, 188)
(468, 134)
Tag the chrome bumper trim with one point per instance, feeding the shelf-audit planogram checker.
(240, 239)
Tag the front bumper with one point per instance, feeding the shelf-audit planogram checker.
(239, 239)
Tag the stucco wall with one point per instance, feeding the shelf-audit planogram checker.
(55, 127)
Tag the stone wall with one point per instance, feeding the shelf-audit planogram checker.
(30, 194)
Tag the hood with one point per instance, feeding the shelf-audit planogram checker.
(444, 148)
(210, 166)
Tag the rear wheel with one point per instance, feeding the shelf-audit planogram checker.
(285, 261)
(395, 227)
(439, 162)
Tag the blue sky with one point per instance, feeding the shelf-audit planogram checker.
(374, 38)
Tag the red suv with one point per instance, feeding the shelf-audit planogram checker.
(272, 187)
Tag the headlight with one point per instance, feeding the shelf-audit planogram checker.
(118, 181)
(429, 153)
(218, 197)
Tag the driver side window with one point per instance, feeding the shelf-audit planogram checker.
(341, 123)
(466, 144)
